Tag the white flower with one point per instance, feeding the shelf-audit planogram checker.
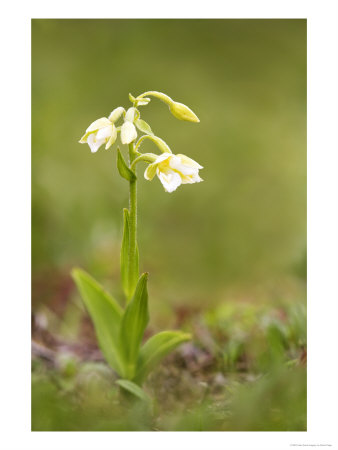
(102, 131)
(128, 130)
(174, 170)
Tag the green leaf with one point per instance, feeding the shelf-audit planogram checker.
(134, 389)
(123, 169)
(106, 315)
(143, 126)
(134, 322)
(155, 349)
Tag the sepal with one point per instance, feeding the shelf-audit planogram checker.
(143, 126)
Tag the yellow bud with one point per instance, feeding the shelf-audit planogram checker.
(182, 112)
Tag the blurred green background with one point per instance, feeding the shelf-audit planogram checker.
(240, 236)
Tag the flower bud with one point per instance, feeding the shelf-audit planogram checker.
(130, 115)
(182, 112)
(116, 114)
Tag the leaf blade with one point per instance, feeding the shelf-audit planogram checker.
(134, 389)
(106, 315)
(155, 349)
(133, 325)
(123, 169)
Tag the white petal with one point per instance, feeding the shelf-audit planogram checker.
(94, 143)
(189, 162)
(170, 180)
(184, 169)
(116, 114)
(105, 132)
(112, 138)
(128, 133)
(99, 123)
(191, 179)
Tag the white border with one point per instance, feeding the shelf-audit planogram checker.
(322, 224)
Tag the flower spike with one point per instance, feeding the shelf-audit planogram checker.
(120, 330)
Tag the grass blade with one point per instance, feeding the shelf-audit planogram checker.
(134, 389)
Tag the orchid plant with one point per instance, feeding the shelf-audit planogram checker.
(120, 329)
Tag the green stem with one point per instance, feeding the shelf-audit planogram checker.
(165, 98)
(163, 146)
(147, 157)
(133, 257)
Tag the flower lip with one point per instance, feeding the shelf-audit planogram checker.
(94, 143)
(169, 179)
